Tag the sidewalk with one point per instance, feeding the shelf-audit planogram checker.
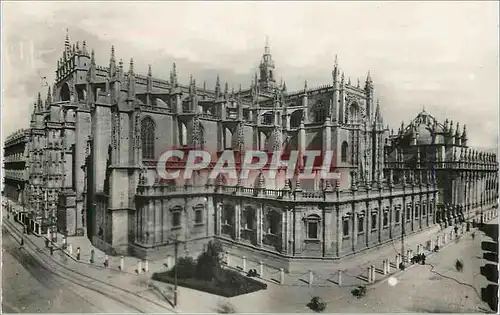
(291, 296)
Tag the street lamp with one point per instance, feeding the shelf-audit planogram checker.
(176, 242)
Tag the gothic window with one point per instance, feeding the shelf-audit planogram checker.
(424, 210)
(416, 211)
(65, 93)
(198, 214)
(320, 113)
(345, 227)
(397, 214)
(361, 223)
(312, 227)
(268, 118)
(296, 118)
(353, 113)
(408, 213)
(374, 221)
(343, 154)
(148, 138)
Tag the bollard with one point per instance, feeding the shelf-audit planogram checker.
(369, 274)
(139, 267)
(411, 254)
(384, 267)
(227, 258)
(78, 253)
(310, 277)
(122, 263)
(106, 261)
(92, 256)
(438, 243)
(340, 278)
(70, 249)
(431, 245)
(373, 273)
(244, 262)
(146, 265)
(407, 260)
(282, 276)
(400, 260)
(261, 269)
(388, 265)
(419, 250)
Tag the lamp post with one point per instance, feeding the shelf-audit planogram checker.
(176, 242)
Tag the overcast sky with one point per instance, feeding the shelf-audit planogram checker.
(441, 55)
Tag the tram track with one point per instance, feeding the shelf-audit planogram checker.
(123, 296)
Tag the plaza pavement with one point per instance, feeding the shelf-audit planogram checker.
(291, 296)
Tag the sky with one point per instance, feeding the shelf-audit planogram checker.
(439, 55)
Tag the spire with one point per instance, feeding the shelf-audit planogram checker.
(217, 86)
(358, 84)
(150, 73)
(226, 89)
(284, 86)
(49, 97)
(457, 130)
(84, 48)
(336, 62)
(464, 133)
(349, 81)
(39, 101)
(174, 75)
(343, 78)
(267, 49)
(92, 58)
(67, 44)
(369, 77)
(305, 86)
(377, 111)
(112, 58)
(131, 67)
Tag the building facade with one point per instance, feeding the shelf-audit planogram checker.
(96, 140)
(15, 153)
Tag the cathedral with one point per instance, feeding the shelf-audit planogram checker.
(95, 140)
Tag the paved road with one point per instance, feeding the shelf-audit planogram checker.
(29, 287)
(433, 288)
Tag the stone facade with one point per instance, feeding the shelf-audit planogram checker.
(104, 128)
(15, 154)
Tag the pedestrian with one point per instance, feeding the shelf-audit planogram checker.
(473, 235)
(459, 265)
(423, 259)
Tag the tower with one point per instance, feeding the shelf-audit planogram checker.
(267, 80)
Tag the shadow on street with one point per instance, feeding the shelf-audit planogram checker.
(490, 270)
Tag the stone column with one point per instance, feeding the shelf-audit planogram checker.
(339, 230)
(260, 222)
(218, 218)
(151, 217)
(354, 228)
(284, 225)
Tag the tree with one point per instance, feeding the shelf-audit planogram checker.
(209, 262)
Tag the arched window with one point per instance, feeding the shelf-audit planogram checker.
(148, 138)
(65, 93)
(320, 113)
(296, 118)
(343, 152)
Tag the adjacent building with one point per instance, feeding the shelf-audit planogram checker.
(96, 139)
(15, 155)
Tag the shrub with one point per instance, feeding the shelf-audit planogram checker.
(209, 262)
(359, 292)
(185, 266)
(317, 304)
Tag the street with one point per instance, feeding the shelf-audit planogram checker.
(436, 287)
(29, 287)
